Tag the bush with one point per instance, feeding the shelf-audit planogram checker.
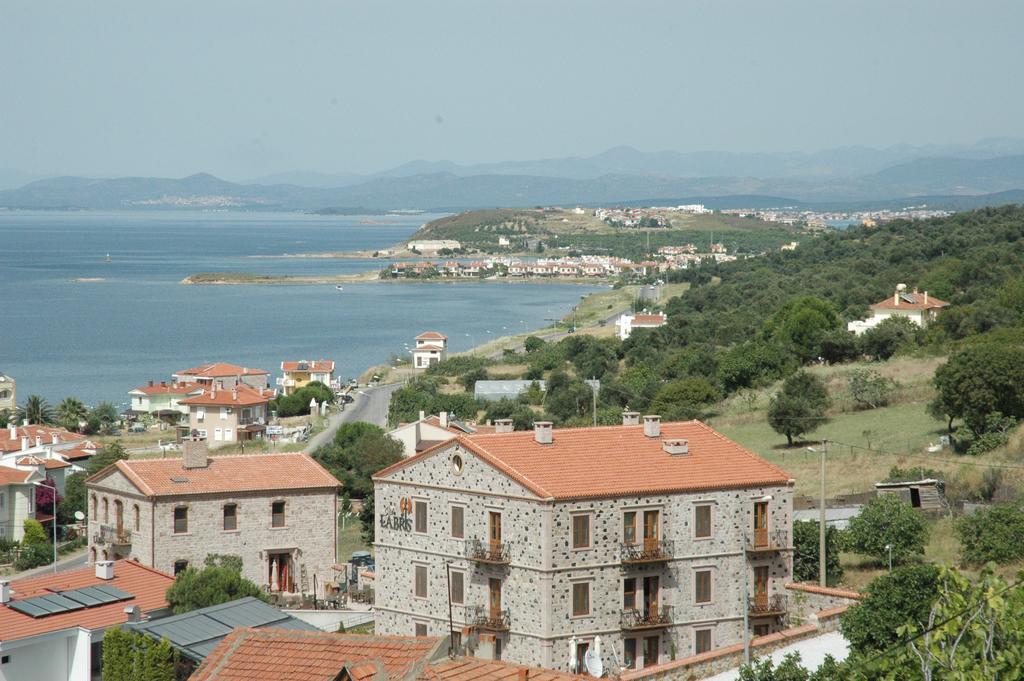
(34, 555)
(992, 534)
(994, 434)
(34, 534)
(869, 389)
(890, 336)
(533, 344)
(891, 600)
(194, 589)
(887, 519)
(805, 553)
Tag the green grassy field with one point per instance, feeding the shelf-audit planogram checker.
(350, 538)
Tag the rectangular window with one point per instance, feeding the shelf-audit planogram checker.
(581, 654)
(223, 413)
(3, 499)
(180, 565)
(651, 651)
(581, 531)
(702, 521)
(629, 527)
(458, 523)
(420, 517)
(229, 435)
(421, 629)
(218, 434)
(200, 414)
(629, 653)
(629, 593)
(701, 641)
(277, 514)
(230, 517)
(458, 587)
(420, 579)
(180, 520)
(581, 599)
(702, 586)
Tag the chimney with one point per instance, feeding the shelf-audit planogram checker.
(652, 425)
(133, 612)
(104, 569)
(925, 297)
(896, 298)
(631, 418)
(542, 432)
(220, 384)
(39, 440)
(443, 418)
(24, 443)
(503, 425)
(5, 591)
(194, 454)
(150, 383)
(676, 446)
(234, 394)
(423, 414)
(13, 429)
(55, 439)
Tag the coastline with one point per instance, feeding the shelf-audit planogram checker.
(247, 278)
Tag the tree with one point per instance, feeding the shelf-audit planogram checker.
(869, 389)
(890, 601)
(805, 553)
(134, 656)
(358, 450)
(888, 337)
(984, 377)
(800, 406)
(194, 589)
(468, 380)
(993, 534)
(34, 534)
(533, 344)
(224, 560)
(74, 498)
(111, 453)
(70, 411)
(47, 498)
(752, 364)
(35, 410)
(888, 520)
(106, 413)
(790, 669)
(685, 399)
(801, 324)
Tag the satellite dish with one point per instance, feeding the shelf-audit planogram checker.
(592, 660)
(79, 516)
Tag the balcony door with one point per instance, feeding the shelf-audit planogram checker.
(652, 530)
(651, 586)
(494, 530)
(495, 598)
(761, 524)
(761, 587)
(119, 516)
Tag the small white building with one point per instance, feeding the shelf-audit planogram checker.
(52, 626)
(625, 324)
(8, 393)
(431, 348)
(920, 308)
(427, 431)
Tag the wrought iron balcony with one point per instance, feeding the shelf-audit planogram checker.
(648, 551)
(763, 541)
(490, 553)
(763, 605)
(633, 619)
(109, 534)
(251, 421)
(487, 619)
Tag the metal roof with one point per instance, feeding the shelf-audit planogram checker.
(194, 634)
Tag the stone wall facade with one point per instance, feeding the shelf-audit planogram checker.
(536, 586)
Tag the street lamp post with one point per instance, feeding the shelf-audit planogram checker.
(52, 520)
(888, 547)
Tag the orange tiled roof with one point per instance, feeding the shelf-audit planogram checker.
(9, 476)
(242, 473)
(475, 669)
(431, 335)
(435, 348)
(147, 585)
(51, 464)
(241, 395)
(910, 301)
(248, 654)
(9, 444)
(609, 461)
(165, 388)
(83, 451)
(319, 365)
(652, 319)
(217, 369)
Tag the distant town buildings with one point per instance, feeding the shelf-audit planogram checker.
(626, 323)
(276, 511)
(296, 375)
(207, 375)
(431, 348)
(432, 246)
(920, 308)
(228, 414)
(8, 393)
(162, 401)
(653, 536)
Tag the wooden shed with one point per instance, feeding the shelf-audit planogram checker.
(928, 495)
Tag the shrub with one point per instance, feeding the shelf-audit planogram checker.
(805, 553)
(869, 389)
(34, 555)
(34, 533)
(194, 589)
(992, 534)
(891, 600)
(887, 519)
(890, 336)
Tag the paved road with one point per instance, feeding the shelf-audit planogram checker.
(371, 404)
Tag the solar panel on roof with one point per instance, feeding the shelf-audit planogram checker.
(27, 608)
(79, 597)
(113, 591)
(64, 604)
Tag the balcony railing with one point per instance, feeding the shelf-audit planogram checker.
(492, 553)
(763, 605)
(633, 619)
(487, 619)
(648, 551)
(763, 541)
(109, 534)
(251, 420)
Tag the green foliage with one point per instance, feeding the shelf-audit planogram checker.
(468, 380)
(224, 560)
(805, 553)
(888, 520)
(568, 398)
(869, 389)
(111, 453)
(801, 324)
(897, 474)
(984, 377)
(70, 411)
(592, 358)
(522, 416)
(753, 364)
(799, 407)
(134, 656)
(34, 555)
(889, 337)
(460, 364)
(532, 344)
(790, 669)
(194, 589)
(684, 399)
(297, 404)
(423, 394)
(74, 498)
(367, 521)
(635, 387)
(34, 534)
(5, 417)
(107, 414)
(35, 410)
(358, 450)
(993, 534)
(890, 601)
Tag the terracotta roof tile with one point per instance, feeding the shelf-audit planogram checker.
(146, 585)
(217, 369)
(431, 335)
(51, 464)
(156, 477)
(251, 654)
(910, 301)
(164, 388)
(242, 395)
(824, 590)
(9, 444)
(434, 348)
(649, 319)
(475, 669)
(15, 476)
(319, 365)
(612, 461)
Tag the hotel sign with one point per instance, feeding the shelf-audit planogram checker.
(398, 521)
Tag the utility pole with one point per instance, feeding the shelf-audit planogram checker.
(822, 575)
(593, 389)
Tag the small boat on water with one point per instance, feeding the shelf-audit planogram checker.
(108, 257)
(339, 288)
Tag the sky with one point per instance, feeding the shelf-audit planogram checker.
(242, 89)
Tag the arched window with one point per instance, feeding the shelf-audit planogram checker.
(92, 513)
(119, 515)
(106, 512)
(137, 521)
(92, 555)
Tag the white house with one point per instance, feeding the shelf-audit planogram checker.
(627, 322)
(431, 348)
(427, 431)
(52, 626)
(920, 308)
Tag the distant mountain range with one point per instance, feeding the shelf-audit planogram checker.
(620, 175)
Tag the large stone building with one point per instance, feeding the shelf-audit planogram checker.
(658, 538)
(276, 511)
(8, 393)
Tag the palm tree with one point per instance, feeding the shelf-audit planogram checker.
(70, 411)
(35, 410)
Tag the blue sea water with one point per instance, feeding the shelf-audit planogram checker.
(97, 340)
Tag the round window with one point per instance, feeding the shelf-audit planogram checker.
(457, 463)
